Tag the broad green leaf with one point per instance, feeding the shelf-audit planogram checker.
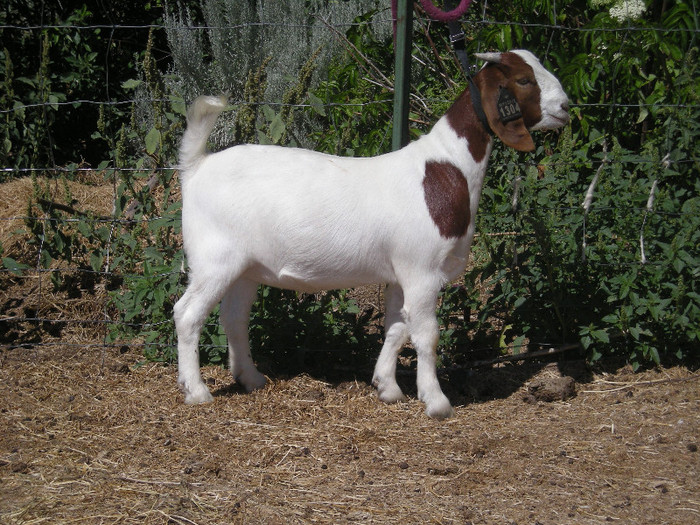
(13, 266)
(277, 128)
(152, 140)
(600, 335)
(132, 83)
(317, 105)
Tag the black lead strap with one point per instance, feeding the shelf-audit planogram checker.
(457, 39)
(478, 107)
(507, 106)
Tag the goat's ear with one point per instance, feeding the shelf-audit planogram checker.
(502, 110)
(489, 57)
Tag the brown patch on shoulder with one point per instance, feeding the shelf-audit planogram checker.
(462, 118)
(446, 193)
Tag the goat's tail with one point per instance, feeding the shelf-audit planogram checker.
(201, 118)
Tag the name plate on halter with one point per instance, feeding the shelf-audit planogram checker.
(508, 108)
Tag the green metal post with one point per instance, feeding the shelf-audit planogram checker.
(402, 68)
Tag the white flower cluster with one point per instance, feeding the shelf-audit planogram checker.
(622, 10)
(628, 10)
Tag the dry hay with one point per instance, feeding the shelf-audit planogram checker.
(77, 311)
(90, 438)
(88, 194)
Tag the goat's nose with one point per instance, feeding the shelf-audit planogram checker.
(565, 106)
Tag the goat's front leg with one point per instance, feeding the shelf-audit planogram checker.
(423, 326)
(235, 317)
(395, 336)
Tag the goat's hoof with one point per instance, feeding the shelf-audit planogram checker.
(392, 397)
(440, 409)
(252, 381)
(390, 394)
(198, 396)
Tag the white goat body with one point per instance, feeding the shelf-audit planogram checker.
(338, 223)
(303, 220)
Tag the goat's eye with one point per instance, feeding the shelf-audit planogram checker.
(523, 81)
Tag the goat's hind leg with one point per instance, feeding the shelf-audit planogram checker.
(395, 336)
(235, 316)
(190, 313)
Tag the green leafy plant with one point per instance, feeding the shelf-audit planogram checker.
(617, 276)
(39, 130)
(62, 240)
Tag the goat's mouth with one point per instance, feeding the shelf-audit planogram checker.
(551, 121)
(563, 118)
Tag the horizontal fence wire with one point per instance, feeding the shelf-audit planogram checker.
(378, 20)
(239, 103)
(106, 319)
(357, 105)
(156, 169)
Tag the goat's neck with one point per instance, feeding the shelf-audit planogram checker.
(466, 124)
(458, 143)
(459, 138)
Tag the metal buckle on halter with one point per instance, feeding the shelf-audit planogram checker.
(457, 37)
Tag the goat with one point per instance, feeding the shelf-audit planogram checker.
(302, 220)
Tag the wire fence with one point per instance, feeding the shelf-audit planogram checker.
(25, 321)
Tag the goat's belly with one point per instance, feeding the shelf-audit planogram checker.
(304, 284)
(309, 277)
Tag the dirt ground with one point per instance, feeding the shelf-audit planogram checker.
(87, 437)
(89, 434)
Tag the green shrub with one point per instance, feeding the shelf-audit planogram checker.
(617, 276)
